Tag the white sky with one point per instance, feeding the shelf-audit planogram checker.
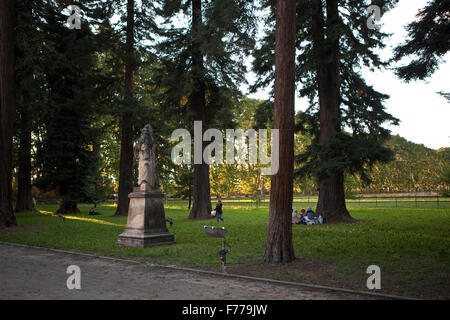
(423, 113)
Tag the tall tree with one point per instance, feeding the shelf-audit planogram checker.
(205, 63)
(333, 40)
(66, 152)
(7, 110)
(279, 246)
(126, 124)
(331, 203)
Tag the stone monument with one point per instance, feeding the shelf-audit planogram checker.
(146, 223)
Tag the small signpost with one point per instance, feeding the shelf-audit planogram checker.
(219, 233)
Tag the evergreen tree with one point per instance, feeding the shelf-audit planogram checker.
(204, 63)
(66, 152)
(333, 43)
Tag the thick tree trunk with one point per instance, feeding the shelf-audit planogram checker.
(7, 109)
(201, 207)
(126, 146)
(331, 203)
(279, 246)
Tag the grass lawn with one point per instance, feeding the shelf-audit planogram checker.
(410, 245)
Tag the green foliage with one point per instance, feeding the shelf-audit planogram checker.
(446, 177)
(182, 182)
(428, 41)
(224, 36)
(65, 154)
(414, 167)
(263, 117)
(224, 179)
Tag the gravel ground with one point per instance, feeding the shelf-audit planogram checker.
(33, 273)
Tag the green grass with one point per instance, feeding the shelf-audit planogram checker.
(411, 245)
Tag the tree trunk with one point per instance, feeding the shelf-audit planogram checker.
(125, 166)
(331, 203)
(190, 196)
(201, 207)
(68, 206)
(279, 246)
(126, 145)
(7, 110)
(24, 196)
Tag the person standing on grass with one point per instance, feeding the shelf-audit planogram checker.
(219, 211)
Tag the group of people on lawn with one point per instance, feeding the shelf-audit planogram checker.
(306, 217)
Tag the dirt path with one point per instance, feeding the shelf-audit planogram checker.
(32, 273)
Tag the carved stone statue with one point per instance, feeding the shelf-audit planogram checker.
(146, 222)
(145, 154)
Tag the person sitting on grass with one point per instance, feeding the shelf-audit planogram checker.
(219, 211)
(303, 216)
(296, 218)
(310, 215)
(93, 213)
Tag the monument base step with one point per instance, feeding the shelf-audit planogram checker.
(146, 240)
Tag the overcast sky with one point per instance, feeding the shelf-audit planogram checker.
(424, 114)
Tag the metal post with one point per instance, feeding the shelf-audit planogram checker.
(219, 233)
(224, 256)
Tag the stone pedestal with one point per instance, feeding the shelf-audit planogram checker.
(146, 225)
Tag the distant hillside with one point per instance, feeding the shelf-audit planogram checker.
(415, 167)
